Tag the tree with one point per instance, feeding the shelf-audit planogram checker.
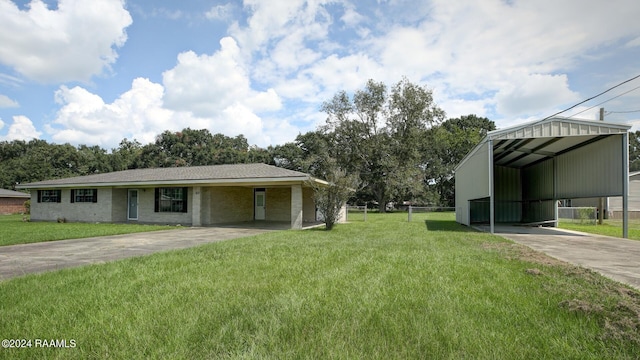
(634, 151)
(378, 135)
(332, 198)
(448, 144)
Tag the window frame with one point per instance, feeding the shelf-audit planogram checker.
(50, 196)
(84, 195)
(174, 201)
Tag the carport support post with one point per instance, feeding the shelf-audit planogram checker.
(296, 207)
(625, 185)
(195, 206)
(491, 189)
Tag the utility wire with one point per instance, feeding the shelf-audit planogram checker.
(591, 98)
(622, 112)
(606, 101)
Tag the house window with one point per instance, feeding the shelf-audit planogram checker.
(84, 195)
(49, 196)
(171, 199)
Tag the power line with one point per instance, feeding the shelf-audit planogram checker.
(591, 98)
(622, 112)
(606, 101)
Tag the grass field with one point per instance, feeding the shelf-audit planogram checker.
(15, 231)
(608, 228)
(381, 289)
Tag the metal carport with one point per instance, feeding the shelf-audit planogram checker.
(518, 174)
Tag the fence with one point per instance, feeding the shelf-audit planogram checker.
(583, 215)
(356, 213)
(419, 212)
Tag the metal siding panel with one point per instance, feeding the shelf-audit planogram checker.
(472, 182)
(508, 194)
(591, 171)
(537, 181)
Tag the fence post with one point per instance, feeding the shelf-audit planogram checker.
(365, 211)
(409, 213)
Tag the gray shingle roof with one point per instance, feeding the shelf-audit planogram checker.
(195, 174)
(13, 194)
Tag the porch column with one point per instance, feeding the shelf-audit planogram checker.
(296, 207)
(195, 206)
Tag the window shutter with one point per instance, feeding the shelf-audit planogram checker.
(73, 195)
(95, 195)
(39, 195)
(185, 192)
(157, 197)
(59, 197)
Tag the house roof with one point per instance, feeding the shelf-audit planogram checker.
(525, 144)
(13, 194)
(238, 174)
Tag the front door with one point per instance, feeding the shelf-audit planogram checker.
(132, 211)
(260, 205)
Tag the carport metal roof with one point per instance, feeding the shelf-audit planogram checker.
(523, 145)
(530, 143)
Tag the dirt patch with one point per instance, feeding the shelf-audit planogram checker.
(513, 251)
(534, 271)
(581, 306)
(617, 307)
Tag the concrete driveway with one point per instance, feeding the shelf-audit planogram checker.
(17, 260)
(615, 258)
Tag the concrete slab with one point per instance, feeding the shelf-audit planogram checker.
(615, 258)
(17, 260)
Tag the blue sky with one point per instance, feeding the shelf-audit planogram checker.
(95, 72)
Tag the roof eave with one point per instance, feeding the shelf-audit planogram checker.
(212, 182)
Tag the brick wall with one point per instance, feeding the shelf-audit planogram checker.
(12, 205)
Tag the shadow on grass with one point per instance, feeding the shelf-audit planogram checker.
(446, 225)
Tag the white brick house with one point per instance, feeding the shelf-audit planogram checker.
(195, 196)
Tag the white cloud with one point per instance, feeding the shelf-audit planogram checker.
(217, 87)
(220, 12)
(73, 42)
(533, 94)
(140, 113)
(21, 129)
(206, 84)
(6, 102)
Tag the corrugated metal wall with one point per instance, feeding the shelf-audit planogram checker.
(472, 182)
(508, 195)
(592, 170)
(537, 192)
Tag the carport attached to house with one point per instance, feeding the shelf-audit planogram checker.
(516, 175)
(203, 195)
(217, 204)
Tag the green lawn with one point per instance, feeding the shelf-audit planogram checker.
(15, 231)
(608, 228)
(381, 289)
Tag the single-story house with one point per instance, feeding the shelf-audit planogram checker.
(12, 202)
(195, 196)
(518, 174)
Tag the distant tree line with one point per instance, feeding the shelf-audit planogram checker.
(393, 145)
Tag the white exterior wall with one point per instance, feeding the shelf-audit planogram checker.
(147, 214)
(77, 211)
(472, 182)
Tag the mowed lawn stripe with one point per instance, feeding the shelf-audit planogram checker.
(384, 288)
